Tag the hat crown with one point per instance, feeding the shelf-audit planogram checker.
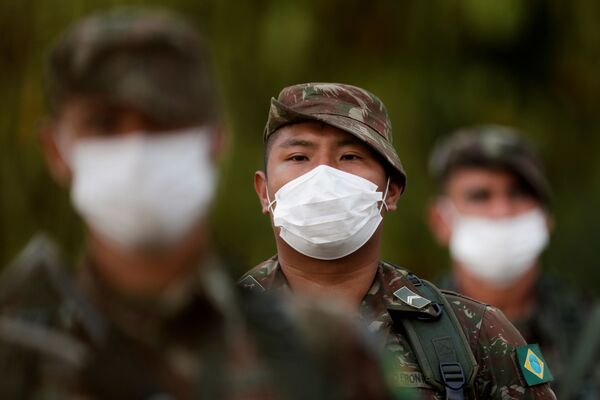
(341, 100)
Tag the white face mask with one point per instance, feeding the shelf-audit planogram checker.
(327, 213)
(143, 189)
(499, 251)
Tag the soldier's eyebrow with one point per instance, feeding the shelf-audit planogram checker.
(294, 142)
(349, 141)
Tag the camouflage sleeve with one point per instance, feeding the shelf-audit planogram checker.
(499, 375)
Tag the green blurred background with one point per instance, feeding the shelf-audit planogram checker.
(437, 65)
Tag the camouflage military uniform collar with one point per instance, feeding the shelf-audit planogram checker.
(268, 276)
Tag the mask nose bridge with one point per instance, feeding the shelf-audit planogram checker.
(501, 206)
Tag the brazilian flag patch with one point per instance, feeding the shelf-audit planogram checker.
(533, 367)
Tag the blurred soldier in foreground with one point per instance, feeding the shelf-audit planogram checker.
(331, 174)
(493, 212)
(135, 134)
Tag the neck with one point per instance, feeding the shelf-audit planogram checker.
(515, 301)
(346, 279)
(148, 274)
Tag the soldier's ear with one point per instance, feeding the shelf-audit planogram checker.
(260, 187)
(57, 165)
(438, 222)
(550, 222)
(394, 191)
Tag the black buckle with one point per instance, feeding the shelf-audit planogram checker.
(414, 279)
(437, 311)
(453, 375)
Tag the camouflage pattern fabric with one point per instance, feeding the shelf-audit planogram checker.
(556, 320)
(346, 107)
(201, 339)
(147, 59)
(492, 338)
(490, 146)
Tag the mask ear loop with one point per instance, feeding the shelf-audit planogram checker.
(383, 203)
(270, 205)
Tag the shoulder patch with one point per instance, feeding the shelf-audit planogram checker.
(411, 298)
(532, 365)
(251, 284)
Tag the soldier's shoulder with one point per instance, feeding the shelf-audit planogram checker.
(496, 344)
(482, 322)
(41, 304)
(33, 279)
(465, 305)
(34, 310)
(258, 278)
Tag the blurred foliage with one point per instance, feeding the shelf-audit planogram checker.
(436, 64)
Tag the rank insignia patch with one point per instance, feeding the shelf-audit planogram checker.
(533, 367)
(411, 298)
(251, 284)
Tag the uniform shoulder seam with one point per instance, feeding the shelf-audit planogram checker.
(451, 293)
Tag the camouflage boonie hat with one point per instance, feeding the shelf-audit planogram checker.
(149, 59)
(346, 107)
(491, 146)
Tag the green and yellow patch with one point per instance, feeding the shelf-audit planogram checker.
(532, 365)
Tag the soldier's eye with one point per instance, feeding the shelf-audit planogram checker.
(477, 196)
(350, 157)
(103, 124)
(297, 157)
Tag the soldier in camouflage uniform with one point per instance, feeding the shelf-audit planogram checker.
(328, 147)
(151, 314)
(493, 211)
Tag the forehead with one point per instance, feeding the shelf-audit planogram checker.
(86, 104)
(468, 177)
(91, 110)
(315, 133)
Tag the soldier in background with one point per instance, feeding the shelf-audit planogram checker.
(584, 362)
(135, 133)
(493, 212)
(331, 175)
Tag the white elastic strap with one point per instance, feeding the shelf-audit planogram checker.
(383, 203)
(270, 205)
